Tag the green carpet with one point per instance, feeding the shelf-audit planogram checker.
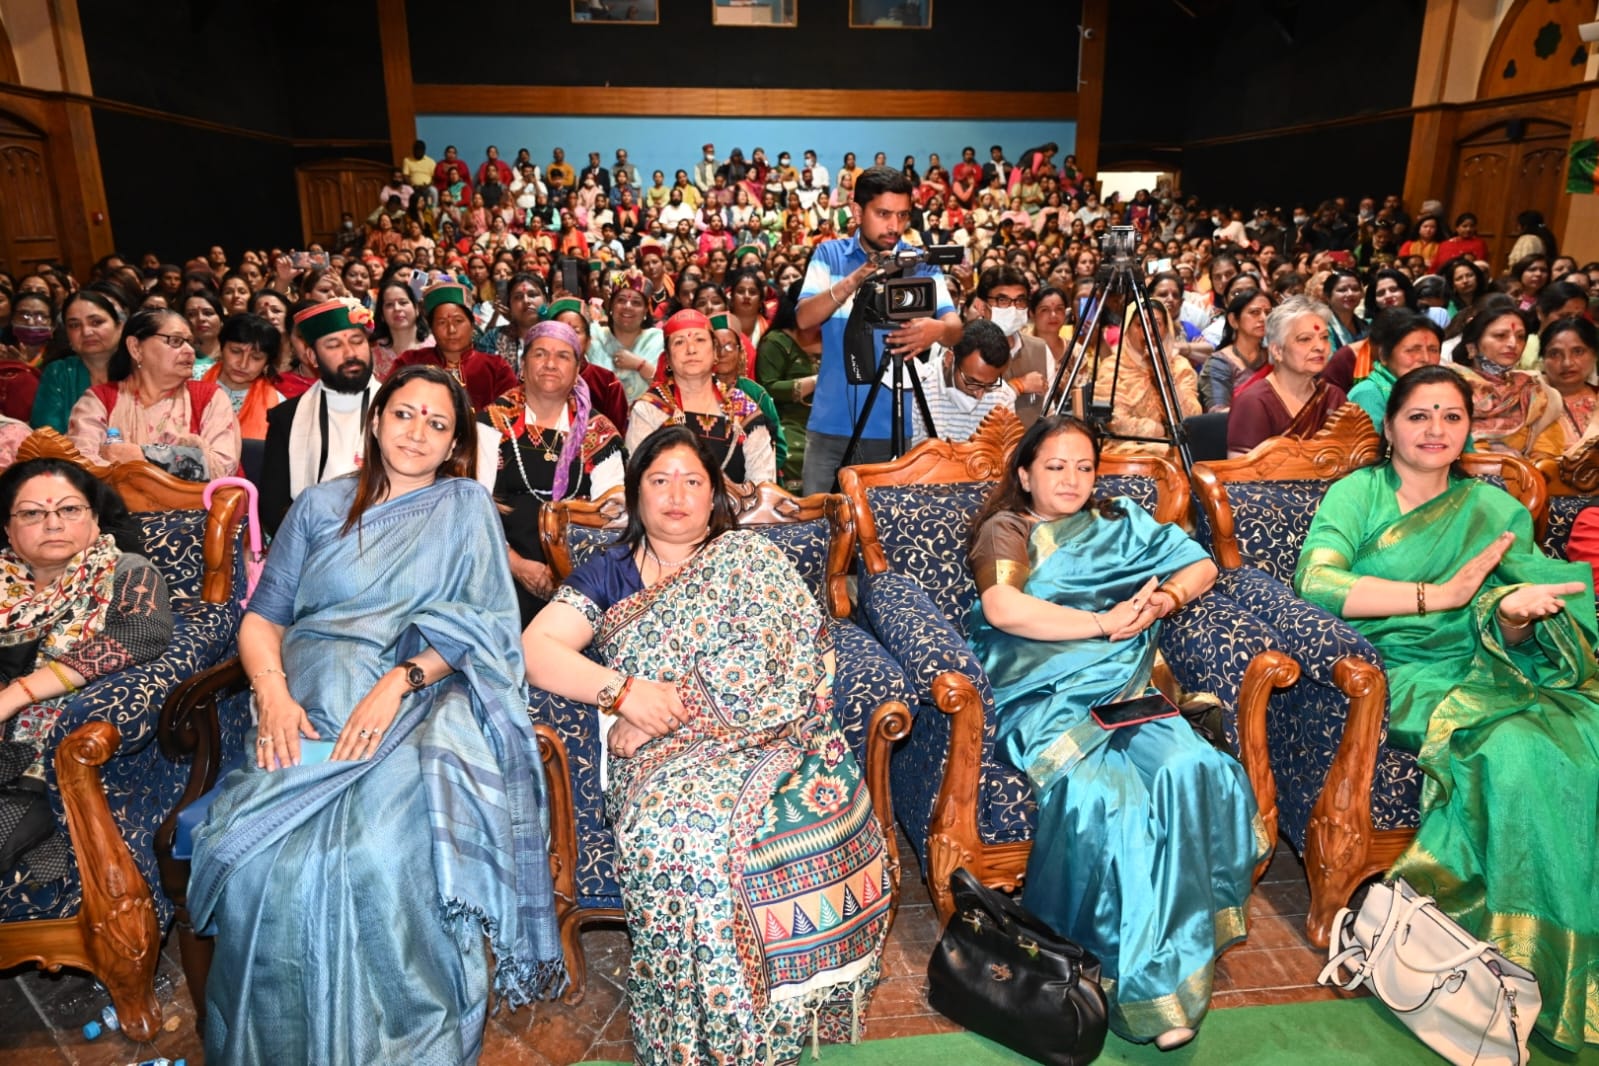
(1334, 1033)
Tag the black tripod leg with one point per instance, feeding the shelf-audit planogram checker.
(865, 415)
(922, 406)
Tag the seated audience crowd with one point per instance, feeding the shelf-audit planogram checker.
(557, 334)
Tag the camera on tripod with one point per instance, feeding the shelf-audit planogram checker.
(886, 298)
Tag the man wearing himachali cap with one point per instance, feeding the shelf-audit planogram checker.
(318, 435)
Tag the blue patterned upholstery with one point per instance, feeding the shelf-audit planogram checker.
(918, 609)
(866, 676)
(1270, 521)
(141, 785)
(1304, 743)
(1563, 511)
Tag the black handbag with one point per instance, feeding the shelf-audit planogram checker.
(1002, 973)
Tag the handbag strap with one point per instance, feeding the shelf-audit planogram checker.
(1411, 910)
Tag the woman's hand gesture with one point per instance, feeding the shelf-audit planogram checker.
(1131, 616)
(281, 724)
(652, 707)
(1462, 588)
(625, 738)
(363, 731)
(1527, 605)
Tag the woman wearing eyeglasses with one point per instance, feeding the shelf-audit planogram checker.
(186, 427)
(74, 606)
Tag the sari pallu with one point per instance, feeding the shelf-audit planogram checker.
(351, 899)
(751, 864)
(1147, 837)
(1508, 736)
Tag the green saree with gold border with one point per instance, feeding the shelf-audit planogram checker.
(1508, 735)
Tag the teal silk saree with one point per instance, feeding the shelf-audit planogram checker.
(1508, 735)
(1147, 837)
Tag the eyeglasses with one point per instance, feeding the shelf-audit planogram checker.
(32, 516)
(38, 318)
(176, 340)
(1007, 301)
(965, 381)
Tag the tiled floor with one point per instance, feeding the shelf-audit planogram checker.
(40, 1014)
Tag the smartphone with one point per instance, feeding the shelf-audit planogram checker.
(1131, 712)
(502, 292)
(572, 277)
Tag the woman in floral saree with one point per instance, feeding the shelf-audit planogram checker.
(752, 868)
(1147, 836)
(1488, 646)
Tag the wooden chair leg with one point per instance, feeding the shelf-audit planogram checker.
(195, 952)
(121, 938)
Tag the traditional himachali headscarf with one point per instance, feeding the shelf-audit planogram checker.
(331, 316)
(582, 403)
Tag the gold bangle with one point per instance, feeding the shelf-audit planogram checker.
(264, 672)
(1421, 599)
(1178, 599)
(61, 675)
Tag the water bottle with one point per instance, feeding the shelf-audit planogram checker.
(108, 1022)
(113, 435)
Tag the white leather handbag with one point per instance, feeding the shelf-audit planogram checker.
(1459, 995)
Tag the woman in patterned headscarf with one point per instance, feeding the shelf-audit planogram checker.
(686, 392)
(553, 446)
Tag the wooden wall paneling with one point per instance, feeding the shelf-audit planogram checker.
(1512, 164)
(395, 41)
(331, 187)
(775, 103)
(84, 208)
(1514, 63)
(29, 232)
(8, 58)
(1429, 170)
(1091, 84)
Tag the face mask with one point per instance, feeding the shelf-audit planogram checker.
(1300, 220)
(31, 336)
(1010, 320)
(710, 157)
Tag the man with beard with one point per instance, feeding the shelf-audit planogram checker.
(837, 270)
(317, 436)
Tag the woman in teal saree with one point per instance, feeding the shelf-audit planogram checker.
(1488, 646)
(1147, 837)
(751, 864)
(395, 812)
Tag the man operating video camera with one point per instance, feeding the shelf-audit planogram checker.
(837, 272)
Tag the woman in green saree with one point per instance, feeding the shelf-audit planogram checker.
(1147, 836)
(1488, 646)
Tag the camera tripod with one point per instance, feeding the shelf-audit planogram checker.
(1070, 387)
(892, 366)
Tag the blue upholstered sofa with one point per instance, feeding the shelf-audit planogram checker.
(872, 696)
(959, 802)
(112, 784)
(1346, 801)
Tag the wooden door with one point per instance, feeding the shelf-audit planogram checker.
(334, 186)
(1514, 165)
(29, 233)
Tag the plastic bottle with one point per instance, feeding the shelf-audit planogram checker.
(113, 435)
(108, 1023)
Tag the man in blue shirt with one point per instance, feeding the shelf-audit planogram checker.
(837, 269)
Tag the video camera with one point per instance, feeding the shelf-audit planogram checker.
(887, 298)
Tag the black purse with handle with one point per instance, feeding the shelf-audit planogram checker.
(1002, 973)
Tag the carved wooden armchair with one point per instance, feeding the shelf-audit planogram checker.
(1346, 801)
(871, 693)
(111, 786)
(1573, 485)
(959, 801)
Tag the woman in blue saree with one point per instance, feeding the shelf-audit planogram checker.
(1488, 647)
(395, 814)
(752, 867)
(1147, 837)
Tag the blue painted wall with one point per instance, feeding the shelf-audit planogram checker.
(672, 143)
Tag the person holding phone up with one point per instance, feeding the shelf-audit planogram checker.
(1147, 836)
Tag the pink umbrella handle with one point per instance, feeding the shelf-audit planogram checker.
(251, 492)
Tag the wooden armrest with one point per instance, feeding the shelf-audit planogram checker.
(890, 724)
(1266, 672)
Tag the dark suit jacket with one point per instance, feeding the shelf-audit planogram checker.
(274, 482)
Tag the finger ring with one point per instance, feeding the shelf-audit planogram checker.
(263, 742)
(363, 734)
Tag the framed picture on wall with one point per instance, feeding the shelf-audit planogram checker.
(770, 13)
(890, 14)
(616, 12)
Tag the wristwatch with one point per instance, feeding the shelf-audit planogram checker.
(414, 675)
(609, 694)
